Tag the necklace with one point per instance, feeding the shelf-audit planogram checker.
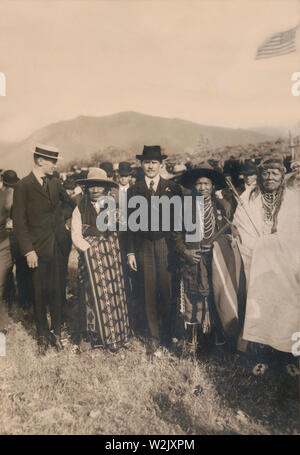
(270, 202)
(209, 218)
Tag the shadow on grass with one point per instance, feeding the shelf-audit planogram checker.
(271, 400)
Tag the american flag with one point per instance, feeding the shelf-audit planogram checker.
(278, 44)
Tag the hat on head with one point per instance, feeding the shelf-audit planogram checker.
(179, 168)
(10, 178)
(272, 163)
(188, 179)
(97, 177)
(249, 168)
(47, 151)
(151, 152)
(107, 166)
(125, 169)
(69, 184)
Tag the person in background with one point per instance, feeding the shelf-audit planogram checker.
(249, 171)
(124, 175)
(107, 166)
(9, 179)
(24, 288)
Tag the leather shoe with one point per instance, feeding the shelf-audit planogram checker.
(42, 345)
(152, 347)
(55, 341)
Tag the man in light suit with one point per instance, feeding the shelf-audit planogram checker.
(41, 206)
(150, 253)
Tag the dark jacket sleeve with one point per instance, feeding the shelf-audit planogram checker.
(68, 204)
(20, 219)
(130, 243)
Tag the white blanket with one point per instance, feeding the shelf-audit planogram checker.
(272, 265)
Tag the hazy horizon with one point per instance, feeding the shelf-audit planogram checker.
(192, 60)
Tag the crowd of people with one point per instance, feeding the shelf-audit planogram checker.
(237, 284)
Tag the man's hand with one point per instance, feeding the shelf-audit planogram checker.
(32, 259)
(192, 256)
(132, 262)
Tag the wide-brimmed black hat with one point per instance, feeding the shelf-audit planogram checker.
(189, 178)
(124, 169)
(47, 151)
(151, 152)
(97, 177)
(10, 178)
(249, 168)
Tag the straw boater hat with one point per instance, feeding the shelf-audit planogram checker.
(97, 177)
(189, 178)
(47, 151)
(151, 152)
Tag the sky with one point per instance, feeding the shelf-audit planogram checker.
(188, 59)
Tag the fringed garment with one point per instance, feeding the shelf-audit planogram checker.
(102, 286)
(196, 303)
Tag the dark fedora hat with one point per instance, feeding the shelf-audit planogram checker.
(188, 179)
(124, 169)
(10, 178)
(107, 166)
(69, 184)
(249, 168)
(47, 151)
(151, 152)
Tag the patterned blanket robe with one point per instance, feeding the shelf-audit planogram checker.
(102, 290)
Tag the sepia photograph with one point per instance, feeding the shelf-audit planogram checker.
(150, 220)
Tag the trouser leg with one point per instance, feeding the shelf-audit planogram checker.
(56, 289)
(40, 280)
(164, 280)
(148, 275)
(5, 270)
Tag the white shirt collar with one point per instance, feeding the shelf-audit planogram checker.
(38, 174)
(124, 188)
(155, 180)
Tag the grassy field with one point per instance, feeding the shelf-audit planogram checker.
(98, 392)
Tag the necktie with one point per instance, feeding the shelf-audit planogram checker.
(44, 182)
(151, 188)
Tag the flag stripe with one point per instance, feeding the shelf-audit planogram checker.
(278, 44)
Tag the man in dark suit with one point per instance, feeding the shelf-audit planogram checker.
(149, 252)
(41, 206)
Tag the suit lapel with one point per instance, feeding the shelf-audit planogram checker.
(37, 186)
(51, 188)
(161, 186)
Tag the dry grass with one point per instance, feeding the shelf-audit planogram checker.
(99, 392)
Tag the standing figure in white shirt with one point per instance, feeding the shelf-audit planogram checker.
(104, 315)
